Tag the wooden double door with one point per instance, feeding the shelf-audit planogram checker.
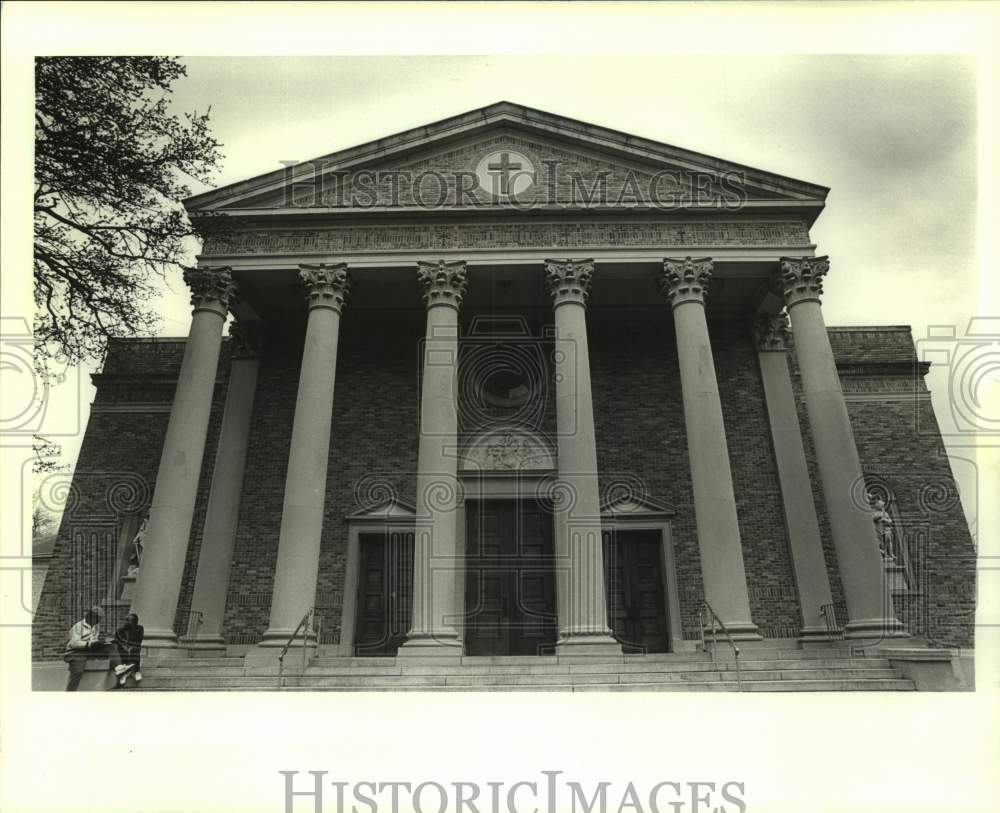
(510, 598)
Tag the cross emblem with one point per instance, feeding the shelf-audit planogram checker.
(503, 168)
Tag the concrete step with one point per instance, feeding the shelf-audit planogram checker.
(473, 681)
(203, 662)
(746, 655)
(610, 668)
(332, 667)
(840, 685)
(763, 667)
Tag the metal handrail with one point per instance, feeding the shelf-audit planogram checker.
(307, 620)
(714, 617)
(192, 615)
(197, 627)
(829, 613)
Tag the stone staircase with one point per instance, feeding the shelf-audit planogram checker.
(762, 669)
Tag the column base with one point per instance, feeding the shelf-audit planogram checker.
(738, 631)
(273, 641)
(278, 638)
(161, 645)
(819, 635)
(874, 629)
(431, 645)
(588, 646)
(205, 645)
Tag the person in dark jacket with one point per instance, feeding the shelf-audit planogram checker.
(128, 640)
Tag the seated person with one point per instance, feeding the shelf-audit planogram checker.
(85, 640)
(128, 640)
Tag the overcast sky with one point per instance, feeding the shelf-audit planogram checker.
(894, 137)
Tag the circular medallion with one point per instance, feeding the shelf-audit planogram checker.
(505, 173)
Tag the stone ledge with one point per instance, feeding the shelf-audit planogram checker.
(935, 670)
(51, 676)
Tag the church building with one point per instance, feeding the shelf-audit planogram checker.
(514, 388)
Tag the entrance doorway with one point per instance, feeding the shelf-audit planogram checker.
(510, 603)
(385, 592)
(633, 565)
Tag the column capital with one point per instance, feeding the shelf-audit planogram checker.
(800, 279)
(685, 280)
(443, 283)
(569, 280)
(212, 289)
(773, 333)
(246, 339)
(327, 286)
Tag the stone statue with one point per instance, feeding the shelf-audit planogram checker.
(883, 528)
(135, 557)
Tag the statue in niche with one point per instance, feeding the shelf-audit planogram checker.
(883, 528)
(135, 552)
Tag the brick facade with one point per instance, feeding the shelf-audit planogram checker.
(640, 442)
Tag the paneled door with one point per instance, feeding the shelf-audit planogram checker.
(510, 604)
(385, 592)
(633, 565)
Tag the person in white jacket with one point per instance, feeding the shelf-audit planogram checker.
(85, 639)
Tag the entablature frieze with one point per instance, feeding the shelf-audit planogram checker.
(659, 237)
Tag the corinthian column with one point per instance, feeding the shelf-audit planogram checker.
(222, 514)
(436, 556)
(172, 511)
(804, 541)
(869, 604)
(297, 567)
(684, 283)
(582, 603)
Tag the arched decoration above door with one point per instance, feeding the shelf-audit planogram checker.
(507, 449)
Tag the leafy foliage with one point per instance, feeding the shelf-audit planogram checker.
(111, 165)
(46, 456)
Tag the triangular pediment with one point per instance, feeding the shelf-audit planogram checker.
(388, 509)
(630, 505)
(505, 156)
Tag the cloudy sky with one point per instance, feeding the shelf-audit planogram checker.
(894, 137)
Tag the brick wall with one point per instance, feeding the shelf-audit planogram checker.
(639, 421)
(901, 451)
(373, 451)
(640, 438)
(113, 484)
